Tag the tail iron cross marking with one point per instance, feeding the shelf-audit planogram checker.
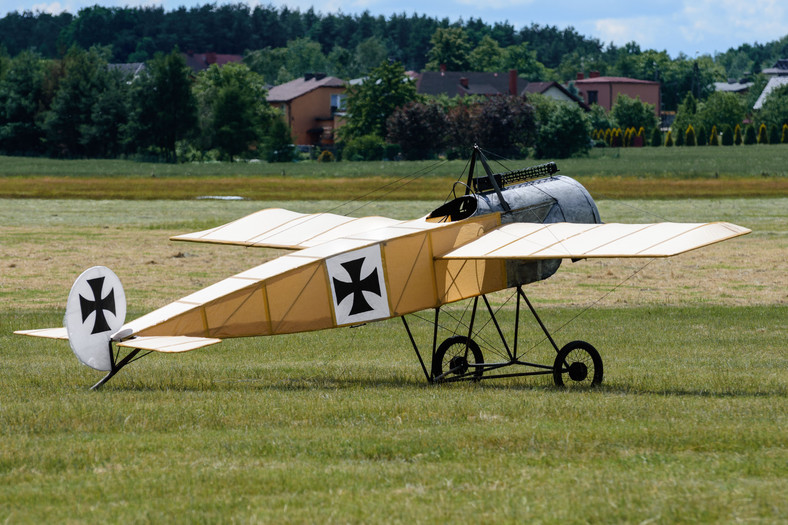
(357, 286)
(98, 305)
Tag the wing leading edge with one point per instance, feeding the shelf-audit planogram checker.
(578, 241)
(279, 228)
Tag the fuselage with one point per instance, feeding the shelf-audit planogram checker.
(375, 274)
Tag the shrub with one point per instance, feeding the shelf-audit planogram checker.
(763, 138)
(689, 136)
(702, 136)
(365, 147)
(678, 137)
(669, 139)
(784, 136)
(727, 136)
(615, 138)
(737, 139)
(325, 156)
(420, 129)
(566, 133)
(713, 139)
(656, 138)
(774, 134)
(749, 135)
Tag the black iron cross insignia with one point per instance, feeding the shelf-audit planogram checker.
(98, 305)
(357, 286)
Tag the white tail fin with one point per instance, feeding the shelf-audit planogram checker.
(95, 310)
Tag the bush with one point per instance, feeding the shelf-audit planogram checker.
(727, 136)
(784, 136)
(656, 138)
(566, 133)
(365, 147)
(749, 135)
(774, 134)
(689, 136)
(325, 156)
(763, 138)
(713, 139)
(678, 137)
(669, 139)
(420, 129)
(702, 136)
(737, 138)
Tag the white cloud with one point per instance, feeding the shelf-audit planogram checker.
(648, 32)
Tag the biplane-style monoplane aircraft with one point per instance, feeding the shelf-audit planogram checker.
(507, 230)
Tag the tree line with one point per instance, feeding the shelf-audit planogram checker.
(79, 106)
(280, 42)
(82, 106)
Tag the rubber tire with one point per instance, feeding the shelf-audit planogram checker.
(591, 357)
(459, 341)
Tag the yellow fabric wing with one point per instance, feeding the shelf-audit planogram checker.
(579, 241)
(279, 228)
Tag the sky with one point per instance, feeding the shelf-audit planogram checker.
(691, 27)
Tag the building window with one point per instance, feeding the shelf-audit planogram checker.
(593, 97)
(338, 102)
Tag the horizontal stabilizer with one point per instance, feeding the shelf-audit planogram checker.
(51, 333)
(579, 241)
(169, 344)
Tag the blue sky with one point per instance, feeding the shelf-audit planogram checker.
(677, 26)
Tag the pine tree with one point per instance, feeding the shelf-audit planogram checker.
(668, 139)
(784, 137)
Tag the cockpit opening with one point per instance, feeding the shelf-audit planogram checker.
(454, 210)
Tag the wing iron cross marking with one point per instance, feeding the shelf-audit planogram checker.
(98, 305)
(357, 286)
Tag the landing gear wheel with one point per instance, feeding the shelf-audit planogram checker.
(452, 358)
(580, 362)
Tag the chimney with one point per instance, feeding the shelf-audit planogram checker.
(594, 74)
(580, 76)
(464, 82)
(513, 82)
(309, 76)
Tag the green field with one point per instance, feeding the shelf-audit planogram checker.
(340, 426)
(740, 171)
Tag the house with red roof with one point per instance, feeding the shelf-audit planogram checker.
(310, 105)
(202, 61)
(604, 90)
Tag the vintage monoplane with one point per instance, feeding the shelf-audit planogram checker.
(507, 230)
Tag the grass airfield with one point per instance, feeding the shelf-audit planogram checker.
(340, 425)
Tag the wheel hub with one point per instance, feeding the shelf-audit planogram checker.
(458, 364)
(578, 371)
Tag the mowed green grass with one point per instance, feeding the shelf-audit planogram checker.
(741, 171)
(340, 425)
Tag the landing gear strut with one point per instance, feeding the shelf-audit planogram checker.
(459, 357)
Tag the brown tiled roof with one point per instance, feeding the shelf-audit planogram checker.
(617, 80)
(450, 83)
(301, 86)
(202, 61)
